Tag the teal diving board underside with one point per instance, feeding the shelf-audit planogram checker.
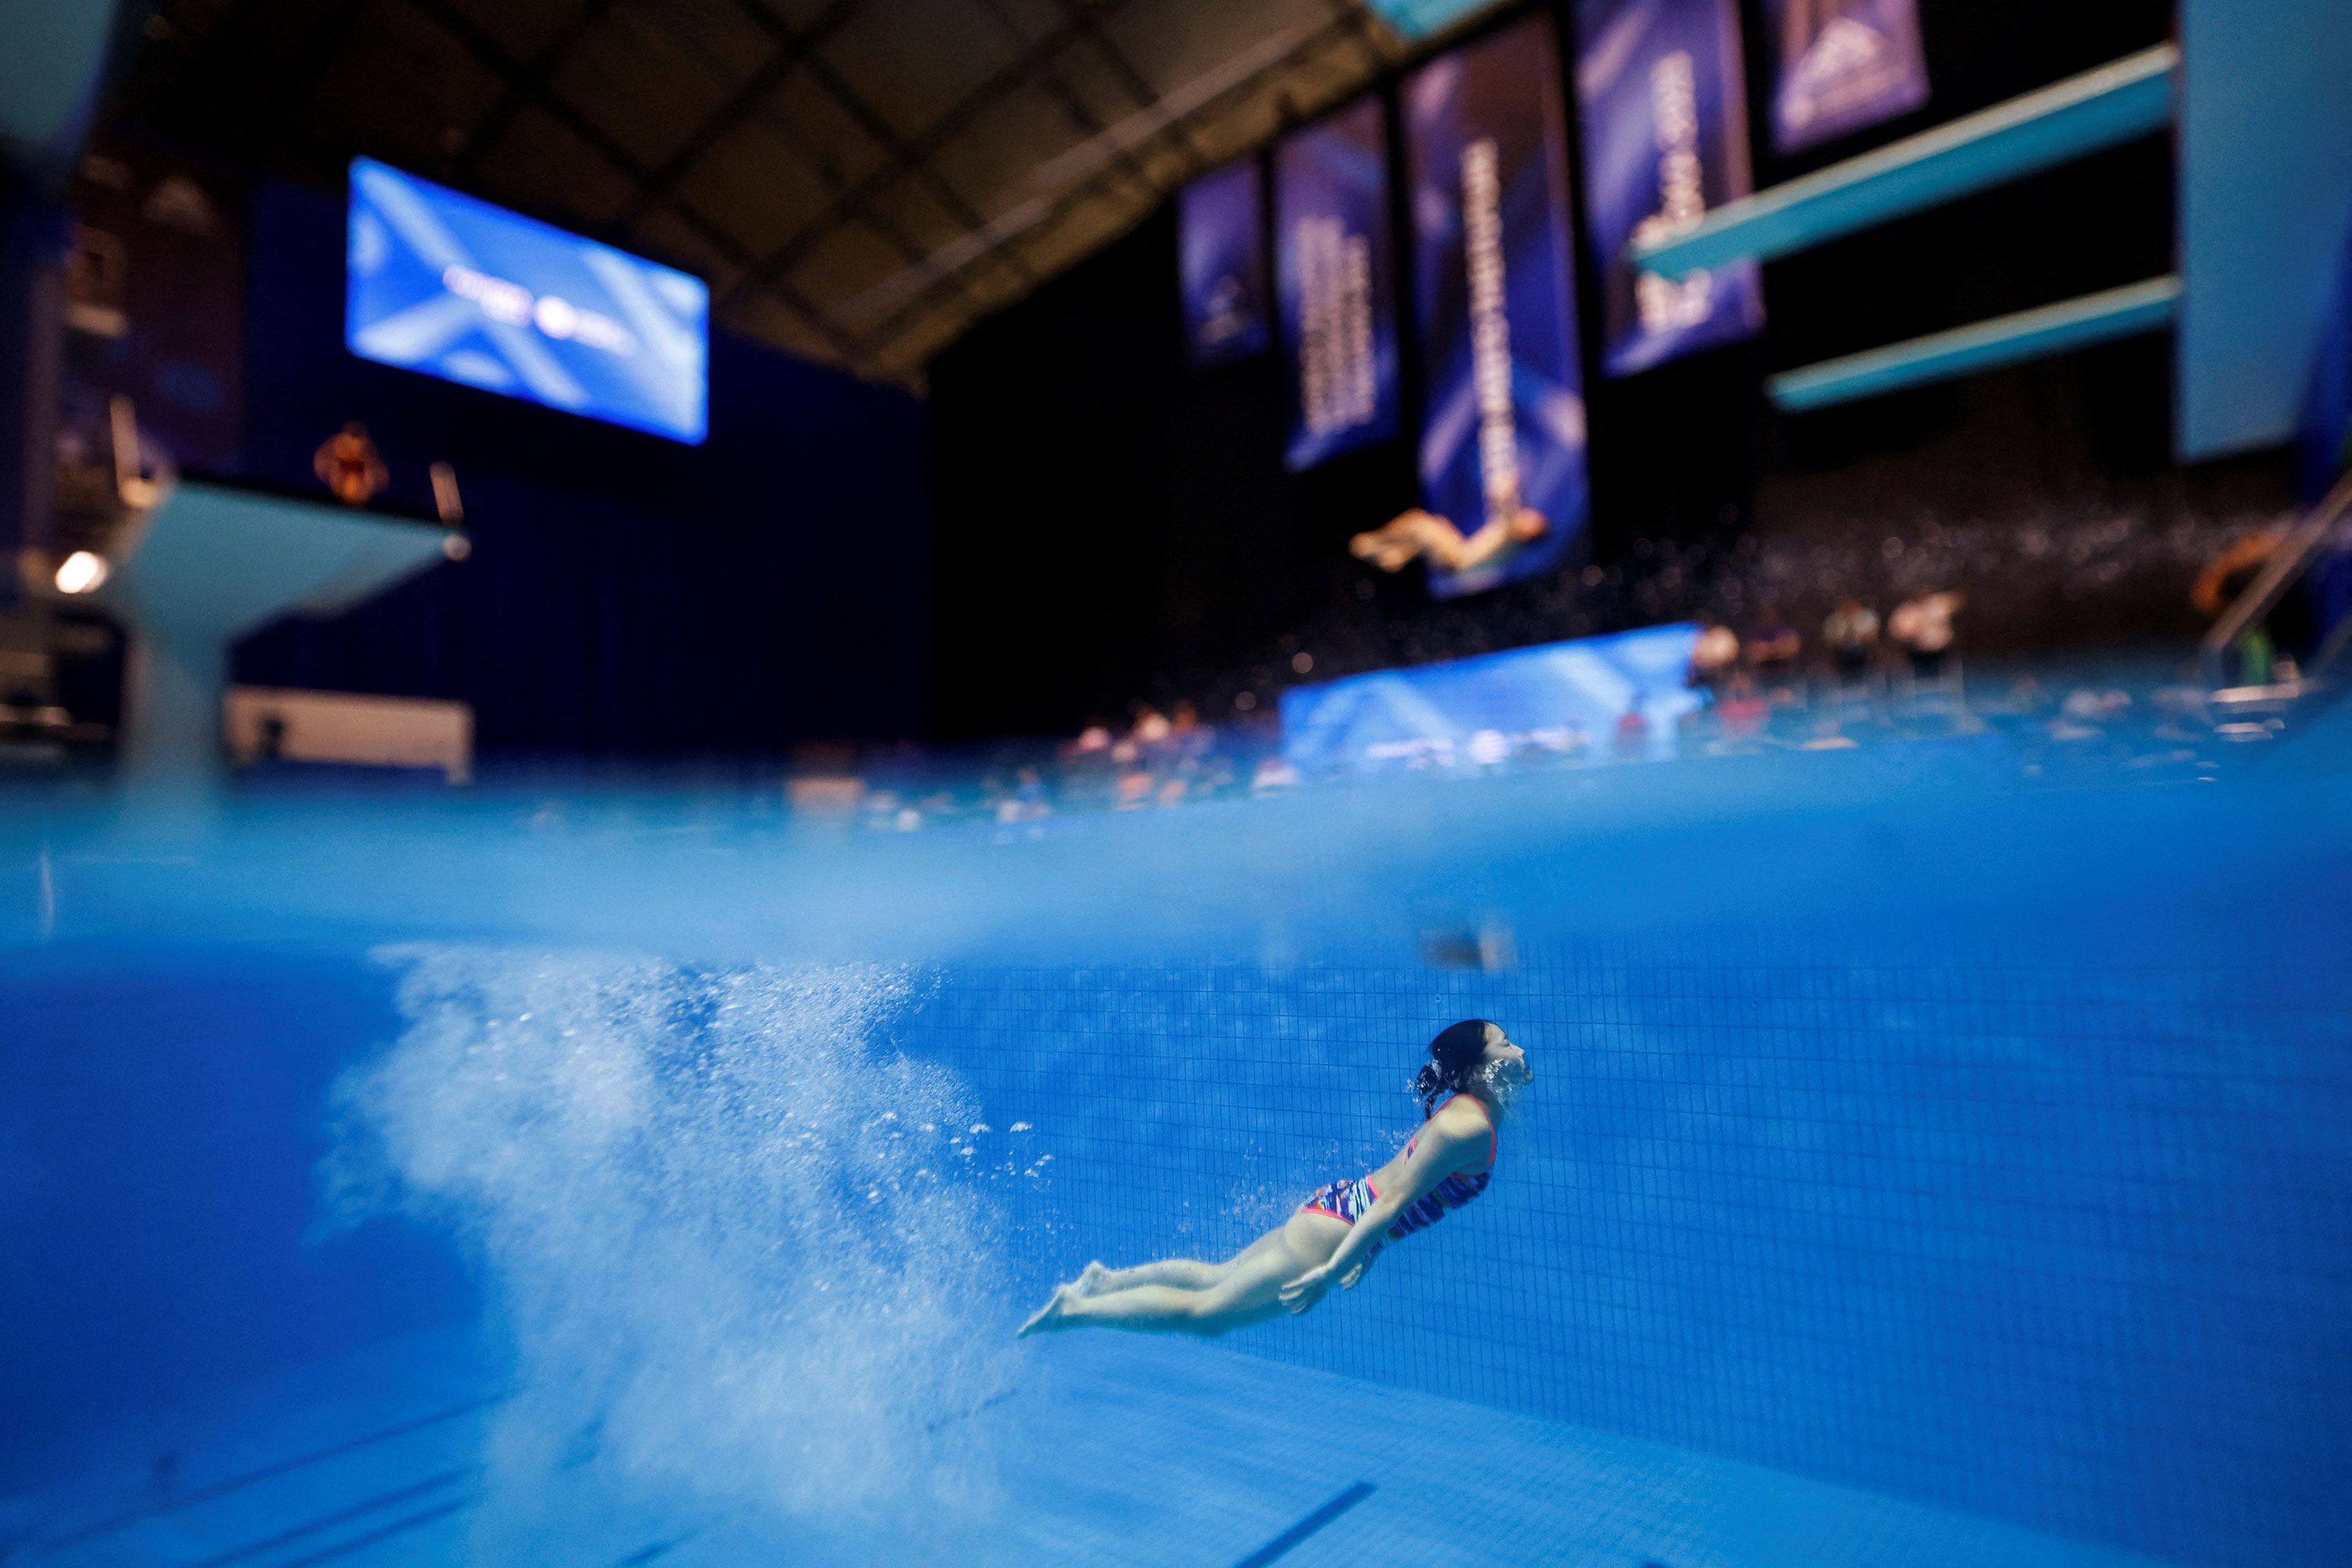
(2104, 108)
(2032, 334)
(1419, 19)
(2265, 208)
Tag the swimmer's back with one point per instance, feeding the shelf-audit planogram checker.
(1465, 1122)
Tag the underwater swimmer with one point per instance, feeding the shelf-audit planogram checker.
(1334, 1235)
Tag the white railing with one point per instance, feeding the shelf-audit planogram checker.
(2329, 525)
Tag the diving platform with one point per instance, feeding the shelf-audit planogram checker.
(2111, 313)
(2119, 102)
(210, 562)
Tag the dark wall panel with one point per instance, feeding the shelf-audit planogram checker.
(1050, 465)
(626, 595)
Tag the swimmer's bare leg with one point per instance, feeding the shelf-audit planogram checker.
(1187, 1273)
(1095, 1279)
(1165, 1309)
(1416, 533)
(1384, 550)
(1048, 1316)
(1248, 1291)
(1403, 531)
(1434, 537)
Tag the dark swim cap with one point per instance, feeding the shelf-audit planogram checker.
(1461, 1045)
(1452, 1056)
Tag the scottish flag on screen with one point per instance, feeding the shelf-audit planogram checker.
(1494, 282)
(1333, 276)
(1665, 138)
(454, 286)
(1845, 65)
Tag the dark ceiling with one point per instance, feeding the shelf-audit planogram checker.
(858, 179)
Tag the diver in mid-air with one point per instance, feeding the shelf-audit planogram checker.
(1335, 1234)
(1394, 544)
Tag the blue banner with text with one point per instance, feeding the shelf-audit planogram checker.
(1335, 278)
(1222, 263)
(1665, 138)
(1503, 437)
(1845, 65)
(2324, 449)
(2324, 434)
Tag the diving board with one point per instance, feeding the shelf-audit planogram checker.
(2032, 334)
(2117, 102)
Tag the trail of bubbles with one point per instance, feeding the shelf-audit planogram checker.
(732, 1270)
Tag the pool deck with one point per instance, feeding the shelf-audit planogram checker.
(1113, 1450)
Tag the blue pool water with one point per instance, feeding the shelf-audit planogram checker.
(1926, 1161)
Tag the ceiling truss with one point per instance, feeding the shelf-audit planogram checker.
(858, 179)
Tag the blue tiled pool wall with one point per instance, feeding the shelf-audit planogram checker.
(2010, 1223)
(2059, 1237)
(164, 1109)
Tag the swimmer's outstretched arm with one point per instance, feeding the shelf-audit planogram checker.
(1442, 1149)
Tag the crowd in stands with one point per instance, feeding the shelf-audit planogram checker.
(1767, 665)
(1155, 760)
(1820, 639)
(1766, 687)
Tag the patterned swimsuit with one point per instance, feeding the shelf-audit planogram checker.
(1348, 1200)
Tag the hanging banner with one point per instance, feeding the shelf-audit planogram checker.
(1502, 445)
(2323, 454)
(1665, 138)
(2324, 434)
(1845, 65)
(1222, 263)
(1333, 273)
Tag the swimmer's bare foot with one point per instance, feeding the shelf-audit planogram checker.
(1048, 1316)
(1091, 1277)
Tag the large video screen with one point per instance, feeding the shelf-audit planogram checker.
(1627, 690)
(444, 283)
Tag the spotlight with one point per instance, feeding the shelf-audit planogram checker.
(80, 573)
